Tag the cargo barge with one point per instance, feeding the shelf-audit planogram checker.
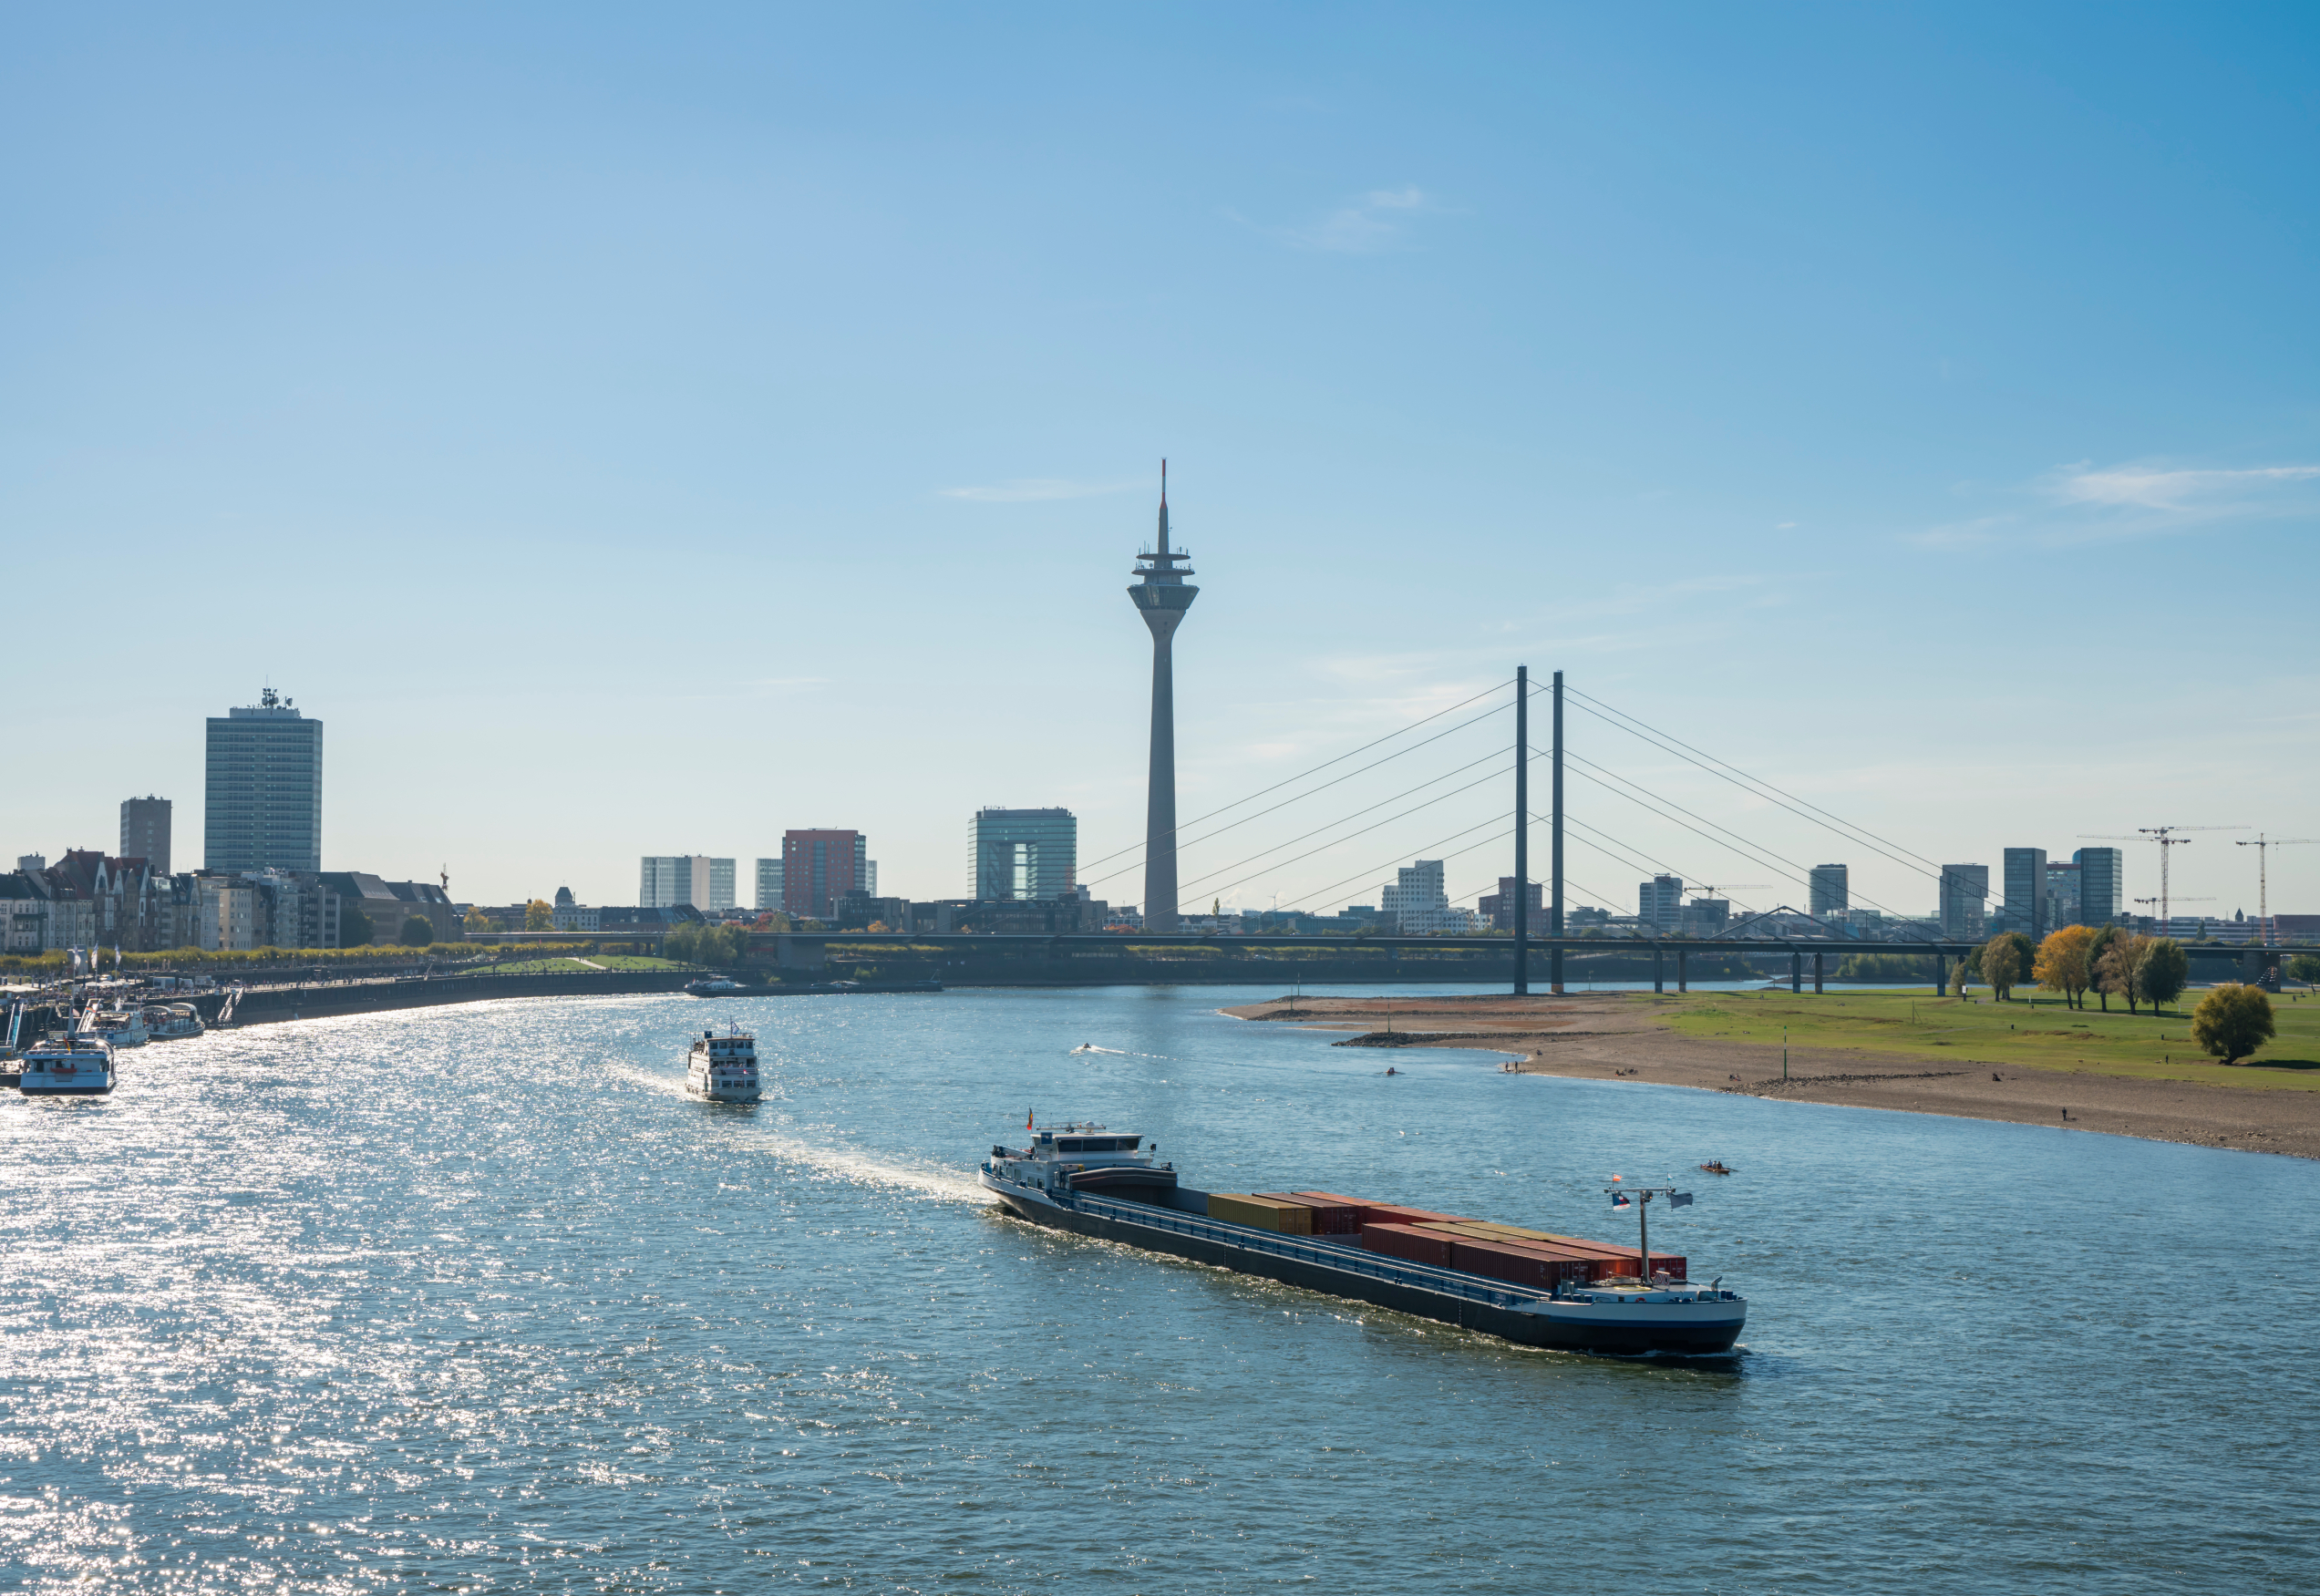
(1524, 1285)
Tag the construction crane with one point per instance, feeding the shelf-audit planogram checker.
(2166, 922)
(1725, 889)
(2263, 846)
(2166, 838)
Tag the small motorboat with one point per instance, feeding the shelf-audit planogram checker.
(1718, 1166)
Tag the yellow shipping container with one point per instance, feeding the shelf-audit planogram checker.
(1242, 1207)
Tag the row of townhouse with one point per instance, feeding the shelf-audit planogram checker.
(90, 900)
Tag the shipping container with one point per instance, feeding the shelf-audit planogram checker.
(1673, 1266)
(1244, 1208)
(1329, 1218)
(1402, 1241)
(1394, 1213)
(1516, 1265)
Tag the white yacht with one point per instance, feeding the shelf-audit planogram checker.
(723, 1069)
(69, 1064)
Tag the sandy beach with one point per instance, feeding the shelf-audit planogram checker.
(1611, 1037)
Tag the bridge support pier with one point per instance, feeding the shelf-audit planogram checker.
(1683, 972)
(1817, 956)
(1659, 980)
(1796, 971)
(1940, 973)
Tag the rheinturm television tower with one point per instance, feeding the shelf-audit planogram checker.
(1163, 595)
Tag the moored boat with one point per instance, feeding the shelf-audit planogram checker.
(167, 1021)
(123, 1027)
(1524, 1285)
(70, 1064)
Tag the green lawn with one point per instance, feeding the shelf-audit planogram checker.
(1980, 1029)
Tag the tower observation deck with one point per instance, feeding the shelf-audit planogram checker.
(1162, 595)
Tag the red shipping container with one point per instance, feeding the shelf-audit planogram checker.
(1513, 1265)
(1403, 1242)
(1671, 1265)
(1394, 1213)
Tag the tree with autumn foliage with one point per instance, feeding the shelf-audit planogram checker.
(2065, 963)
(2119, 969)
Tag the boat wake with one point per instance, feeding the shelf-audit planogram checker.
(671, 1084)
(1118, 1051)
(857, 1169)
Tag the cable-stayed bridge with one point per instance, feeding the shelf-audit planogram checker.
(1468, 768)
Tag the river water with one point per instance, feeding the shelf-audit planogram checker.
(475, 1299)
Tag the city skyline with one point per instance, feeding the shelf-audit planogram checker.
(1718, 366)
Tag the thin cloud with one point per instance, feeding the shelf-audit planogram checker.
(2141, 487)
(2080, 504)
(1032, 489)
(1374, 222)
(1973, 534)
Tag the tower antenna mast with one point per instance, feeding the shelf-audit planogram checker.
(1162, 595)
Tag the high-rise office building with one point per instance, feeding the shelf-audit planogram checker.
(145, 832)
(1163, 596)
(2102, 884)
(2062, 894)
(262, 801)
(1966, 888)
(817, 865)
(1832, 886)
(769, 884)
(2025, 891)
(666, 880)
(1498, 907)
(1659, 902)
(1416, 904)
(1022, 853)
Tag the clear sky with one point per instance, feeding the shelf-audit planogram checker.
(640, 429)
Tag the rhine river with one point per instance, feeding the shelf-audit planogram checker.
(474, 1299)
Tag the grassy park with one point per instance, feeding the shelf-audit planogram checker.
(2155, 1046)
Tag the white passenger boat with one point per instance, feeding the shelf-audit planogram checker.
(166, 1022)
(123, 1027)
(72, 1064)
(723, 1069)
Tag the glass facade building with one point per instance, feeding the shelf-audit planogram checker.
(1832, 886)
(1030, 854)
(2102, 884)
(666, 880)
(2025, 891)
(262, 801)
(1966, 888)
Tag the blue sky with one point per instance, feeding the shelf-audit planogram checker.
(640, 431)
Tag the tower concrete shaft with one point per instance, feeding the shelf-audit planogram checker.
(1162, 595)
